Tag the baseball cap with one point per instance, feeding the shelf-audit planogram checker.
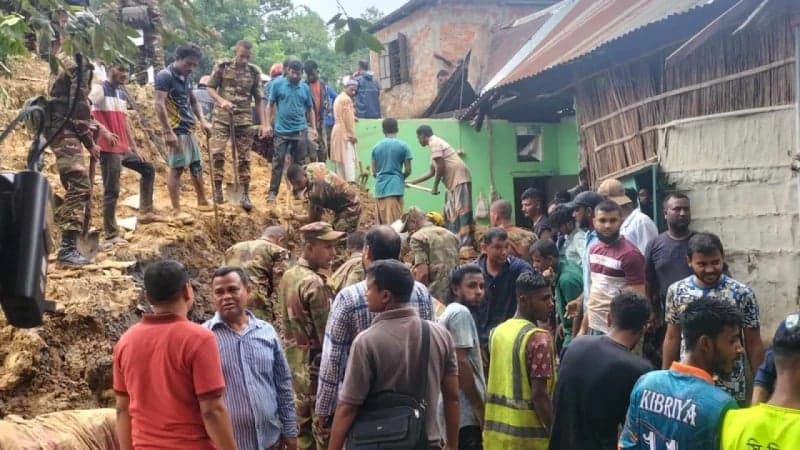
(613, 190)
(321, 231)
(787, 336)
(586, 199)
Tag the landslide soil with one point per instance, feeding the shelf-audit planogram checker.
(66, 363)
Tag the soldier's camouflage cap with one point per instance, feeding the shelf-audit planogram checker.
(321, 231)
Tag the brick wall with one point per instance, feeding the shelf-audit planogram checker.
(448, 30)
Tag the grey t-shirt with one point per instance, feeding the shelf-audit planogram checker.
(458, 321)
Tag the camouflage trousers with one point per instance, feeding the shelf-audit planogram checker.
(348, 219)
(265, 308)
(75, 178)
(305, 389)
(220, 135)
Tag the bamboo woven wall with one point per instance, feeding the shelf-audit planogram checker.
(621, 110)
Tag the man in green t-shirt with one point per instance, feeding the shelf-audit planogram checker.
(775, 424)
(566, 278)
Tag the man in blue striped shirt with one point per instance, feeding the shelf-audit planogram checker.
(348, 317)
(258, 382)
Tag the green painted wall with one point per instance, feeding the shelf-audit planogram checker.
(560, 155)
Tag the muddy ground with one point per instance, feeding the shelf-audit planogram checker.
(66, 363)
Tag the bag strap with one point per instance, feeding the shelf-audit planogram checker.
(425, 356)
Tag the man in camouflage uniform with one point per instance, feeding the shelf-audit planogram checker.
(305, 298)
(434, 251)
(352, 271)
(145, 15)
(519, 239)
(233, 85)
(326, 190)
(265, 260)
(66, 145)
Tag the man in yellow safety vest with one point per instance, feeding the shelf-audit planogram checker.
(519, 411)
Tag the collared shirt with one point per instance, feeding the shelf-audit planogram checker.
(258, 382)
(591, 239)
(166, 365)
(292, 101)
(386, 357)
(575, 246)
(348, 317)
(686, 291)
(110, 108)
(501, 295)
(639, 230)
(348, 274)
(178, 102)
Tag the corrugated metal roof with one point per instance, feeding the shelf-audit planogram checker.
(577, 27)
(507, 42)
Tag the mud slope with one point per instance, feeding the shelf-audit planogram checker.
(66, 364)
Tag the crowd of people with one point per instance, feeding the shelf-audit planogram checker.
(549, 339)
(404, 346)
(292, 117)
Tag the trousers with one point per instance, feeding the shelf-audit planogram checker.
(220, 135)
(74, 177)
(292, 145)
(111, 165)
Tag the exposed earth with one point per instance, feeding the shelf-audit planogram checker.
(66, 363)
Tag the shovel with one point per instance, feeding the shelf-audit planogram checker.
(89, 241)
(418, 187)
(233, 192)
(216, 211)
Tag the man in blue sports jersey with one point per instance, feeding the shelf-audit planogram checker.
(681, 408)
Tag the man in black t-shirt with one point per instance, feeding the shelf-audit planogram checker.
(596, 377)
(666, 264)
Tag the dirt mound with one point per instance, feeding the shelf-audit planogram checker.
(66, 363)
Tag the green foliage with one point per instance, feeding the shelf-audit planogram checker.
(277, 28)
(356, 37)
(12, 36)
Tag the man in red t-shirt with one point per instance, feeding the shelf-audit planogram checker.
(110, 109)
(167, 374)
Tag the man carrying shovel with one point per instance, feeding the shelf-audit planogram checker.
(449, 168)
(232, 86)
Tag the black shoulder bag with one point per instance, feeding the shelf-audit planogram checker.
(391, 420)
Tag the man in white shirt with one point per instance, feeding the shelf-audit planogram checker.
(637, 227)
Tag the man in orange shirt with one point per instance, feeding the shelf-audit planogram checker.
(167, 374)
(318, 149)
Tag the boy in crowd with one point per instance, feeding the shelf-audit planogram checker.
(466, 287)
(680, 407)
